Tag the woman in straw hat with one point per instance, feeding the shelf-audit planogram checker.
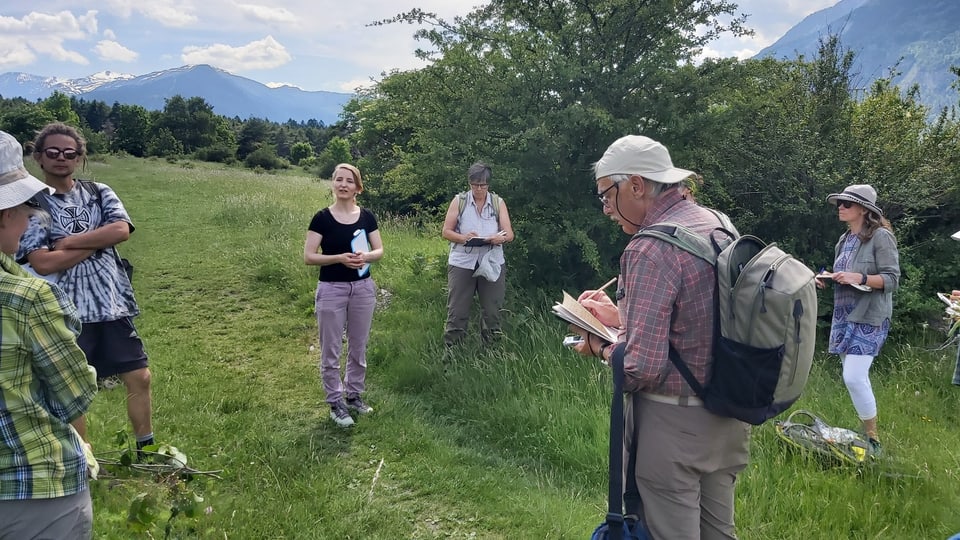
(866, 270)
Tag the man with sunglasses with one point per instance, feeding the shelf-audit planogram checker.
(77, 244)
(685, 459)
(46, 384)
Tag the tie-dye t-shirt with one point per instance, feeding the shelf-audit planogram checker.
(97, 285)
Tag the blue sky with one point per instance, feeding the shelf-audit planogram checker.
(312, 44)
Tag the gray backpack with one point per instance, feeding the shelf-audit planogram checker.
(764, 325)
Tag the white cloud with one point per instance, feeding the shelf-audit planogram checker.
(281, 85)
(267, 14)
(13, 53)
(112, 51)
(170, 13)
(109, 34)
(42, 35)
(266, 53)
(351, 86)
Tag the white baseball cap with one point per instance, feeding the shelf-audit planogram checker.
(17, 185)
(636, 154)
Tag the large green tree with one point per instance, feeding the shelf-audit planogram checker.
(538, 89)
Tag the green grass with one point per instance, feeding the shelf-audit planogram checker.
(503, 443)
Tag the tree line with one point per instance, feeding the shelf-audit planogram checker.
(186, 127)
(538, 89)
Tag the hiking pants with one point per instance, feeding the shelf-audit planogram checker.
(340, 303)
(462, 286)
(686, 468)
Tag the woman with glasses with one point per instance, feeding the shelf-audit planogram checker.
(477, 225)
(866, 270)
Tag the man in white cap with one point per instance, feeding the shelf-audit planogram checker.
(45, 383)
(686, 458)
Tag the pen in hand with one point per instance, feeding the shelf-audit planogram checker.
(599, 292)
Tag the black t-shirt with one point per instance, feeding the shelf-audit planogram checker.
(335, 239)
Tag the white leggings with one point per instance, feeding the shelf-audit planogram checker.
(856, 375)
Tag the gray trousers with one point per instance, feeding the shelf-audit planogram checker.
(60, 518)
(686, 469)
(462, 286)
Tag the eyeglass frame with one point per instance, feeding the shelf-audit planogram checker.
(602, 196)
(479, 186)
(54, 152)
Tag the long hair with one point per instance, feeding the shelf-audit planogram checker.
(871, 222)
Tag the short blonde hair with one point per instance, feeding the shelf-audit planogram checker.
(357, 178)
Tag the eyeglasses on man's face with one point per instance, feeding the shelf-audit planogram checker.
(604, 200)
(53, 152)
(845, 204)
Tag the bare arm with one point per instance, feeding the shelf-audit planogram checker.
(312, 255)
(450, 225)
(106, 236)
(45, 261)
(376, 248)
(505, 226)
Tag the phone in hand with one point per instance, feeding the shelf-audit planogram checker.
(570, 341)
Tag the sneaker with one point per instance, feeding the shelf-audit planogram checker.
(109, 383)
(357, 404)
(340, 415)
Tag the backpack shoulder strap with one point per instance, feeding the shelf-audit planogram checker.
(91, 188)
(461, 203)
(496, 206)
(683, 238)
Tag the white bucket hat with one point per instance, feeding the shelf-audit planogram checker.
(636, 154)
(17, 185)
(862, 194)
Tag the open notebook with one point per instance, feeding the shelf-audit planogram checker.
(571, 311)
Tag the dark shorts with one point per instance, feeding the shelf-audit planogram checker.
(112, 347)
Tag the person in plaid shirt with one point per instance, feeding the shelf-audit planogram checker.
(687, 459)
(45, 383)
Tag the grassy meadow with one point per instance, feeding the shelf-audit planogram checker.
(503, 443)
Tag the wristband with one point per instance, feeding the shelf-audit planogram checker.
(602, 349)
(864, 280)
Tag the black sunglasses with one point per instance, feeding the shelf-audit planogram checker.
(53, 152)
(845, 204)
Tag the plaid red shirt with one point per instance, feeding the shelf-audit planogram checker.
(666, 294)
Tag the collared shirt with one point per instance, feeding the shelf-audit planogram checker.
(484, 222)
(667, 297)
(45, 383)
(98, 285)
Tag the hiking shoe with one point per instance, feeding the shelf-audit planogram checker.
(875, 448)
(356, 404)
(108, 383)
(340, 415)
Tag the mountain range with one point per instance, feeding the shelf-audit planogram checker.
(922, 35)
(229, 95)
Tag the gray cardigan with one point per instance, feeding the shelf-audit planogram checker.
(877, 256)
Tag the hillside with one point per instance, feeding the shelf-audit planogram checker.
(922, 35)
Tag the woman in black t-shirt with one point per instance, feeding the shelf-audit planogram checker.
(343, 239)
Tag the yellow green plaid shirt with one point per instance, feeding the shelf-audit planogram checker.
(45, 383)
